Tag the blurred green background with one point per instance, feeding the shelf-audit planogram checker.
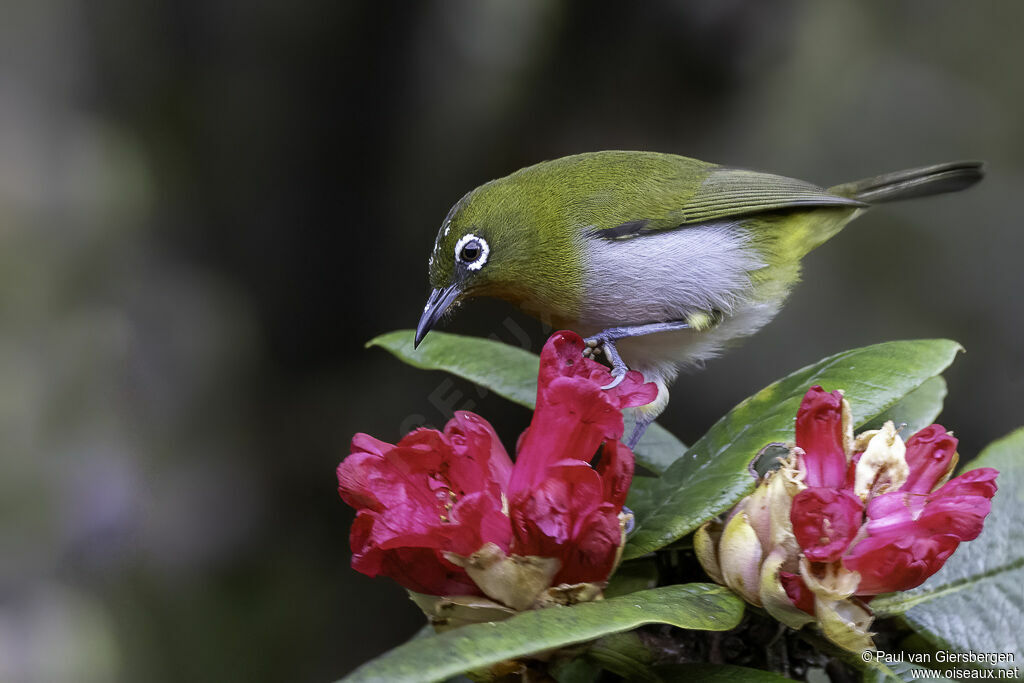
(207, 207)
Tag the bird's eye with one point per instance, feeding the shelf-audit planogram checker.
(470, 251)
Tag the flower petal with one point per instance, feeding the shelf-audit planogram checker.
(413, 560)
(819, 432)
(894, 513)
(786, 603)
(961, 505)
(882, 467)
(845, 623)
(797, 591)
(545, 517)
(825, 521)
(591, 556)
(616, 469)
(480, 461)
(575, 419)
(398, 476)
(562, 356)
(958, 508)
(477, 519)
(898, 562)
(931, 455)
(740, 555)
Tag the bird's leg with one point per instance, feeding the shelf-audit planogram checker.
(639, 427)
(644, 416)
(606, 340)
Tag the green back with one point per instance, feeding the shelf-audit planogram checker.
(538, 218)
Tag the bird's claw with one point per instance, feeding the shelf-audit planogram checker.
(595, 345)
(618, 377)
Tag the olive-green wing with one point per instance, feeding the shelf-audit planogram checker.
(727, 193)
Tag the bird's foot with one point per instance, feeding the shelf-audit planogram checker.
(599, 343)
(606, 339)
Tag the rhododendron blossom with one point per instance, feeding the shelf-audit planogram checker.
(844, 519)
(447, 513)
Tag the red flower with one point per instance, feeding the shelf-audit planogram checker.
(825, 521)
(819, 432)
(432, 492)
(910, 529)
(436, 495)
(911, 535)
(844, 519)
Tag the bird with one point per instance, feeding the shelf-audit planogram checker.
(659, 261)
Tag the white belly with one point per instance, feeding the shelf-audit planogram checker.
(661, 355)
(669, 277)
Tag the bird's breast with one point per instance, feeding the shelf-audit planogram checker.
(666, 276)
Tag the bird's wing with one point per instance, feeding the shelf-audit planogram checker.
(729, 193)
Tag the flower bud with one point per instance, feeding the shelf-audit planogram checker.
(845, 623)
(705, 545)
(740, 555)
(774, 596)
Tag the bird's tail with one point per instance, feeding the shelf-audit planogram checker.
(952, 176)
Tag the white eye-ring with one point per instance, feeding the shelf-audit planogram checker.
(472, 250)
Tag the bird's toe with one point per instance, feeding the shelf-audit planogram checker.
(618, 374)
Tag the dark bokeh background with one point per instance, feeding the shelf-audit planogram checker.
(207, 207)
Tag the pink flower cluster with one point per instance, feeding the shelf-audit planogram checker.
(844, 519)
(894, 529)
(429, 502)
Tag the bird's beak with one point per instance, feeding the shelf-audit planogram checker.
(437, 304)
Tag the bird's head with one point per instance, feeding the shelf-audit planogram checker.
(470, 256)
(509, 239)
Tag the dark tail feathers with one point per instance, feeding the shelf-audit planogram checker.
(916, 182)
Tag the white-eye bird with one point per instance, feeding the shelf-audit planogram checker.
(658, 260)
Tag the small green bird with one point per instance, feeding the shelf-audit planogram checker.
(657, 259)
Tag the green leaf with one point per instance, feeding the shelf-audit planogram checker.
(510, 372)
(625, 654)
(902, 672)
(713, 475)
(917, 410)
(975, 603)
(577, 670)
(717, 673)
(692, 606)
(629, 656)
(631, 577)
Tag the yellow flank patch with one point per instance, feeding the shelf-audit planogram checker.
(700, 321)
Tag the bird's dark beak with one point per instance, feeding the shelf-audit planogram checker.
(437, 304)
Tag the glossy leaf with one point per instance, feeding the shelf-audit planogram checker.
(631, 577)
(691, 606)
(975, 603)
(510, 372)
(625, 654)
(713, 474)
(916, 410)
